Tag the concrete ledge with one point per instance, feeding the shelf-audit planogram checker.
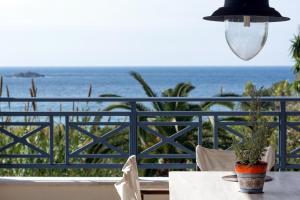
(156, 182)
(73, 188)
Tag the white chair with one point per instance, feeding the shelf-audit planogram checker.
(129, 188)
(270, 157)
(224, 160)
(214, 159)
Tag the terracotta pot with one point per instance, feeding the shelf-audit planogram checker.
(251, 177)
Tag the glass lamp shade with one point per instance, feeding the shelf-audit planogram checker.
(246, 37)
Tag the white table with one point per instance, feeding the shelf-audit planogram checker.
(211, 186)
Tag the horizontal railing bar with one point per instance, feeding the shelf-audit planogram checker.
(178, 156)
(167, 123)
(24, 123)
(142, 99)
(201, 113)
(98, 123)
(49, 113)
(99, 156)
(23, 156)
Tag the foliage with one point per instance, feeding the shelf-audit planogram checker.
(282, 88)
(295, 52)
(256, 135)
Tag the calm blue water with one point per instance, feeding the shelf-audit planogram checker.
(74, 82)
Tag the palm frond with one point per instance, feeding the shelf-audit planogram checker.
(149, 92)
(142, 107)
(182, 89)
(295, 52)
(126, 106)
(234, 119)
(90, 90)
(167, 93)
(295, 48)
(195, 107)
(229, 105)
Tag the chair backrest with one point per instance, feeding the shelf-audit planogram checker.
(128, 187)
(269, 157)
(224, 160)
(214, 159)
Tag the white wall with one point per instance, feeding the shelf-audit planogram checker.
(24, 188)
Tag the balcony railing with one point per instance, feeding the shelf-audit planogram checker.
(132, 122)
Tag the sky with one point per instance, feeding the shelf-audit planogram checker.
(130, 33)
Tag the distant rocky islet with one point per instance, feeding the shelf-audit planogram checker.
(28, 74)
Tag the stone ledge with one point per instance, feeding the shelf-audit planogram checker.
(146, 182)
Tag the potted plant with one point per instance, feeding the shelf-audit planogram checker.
(250, 170)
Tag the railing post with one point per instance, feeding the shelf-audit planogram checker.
(215, 132)
(133, 147)
(51, 136)
(200, 136)
(67, 140)
(200, 133)
(282, 135)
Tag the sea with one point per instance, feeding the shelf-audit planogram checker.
(75, 81)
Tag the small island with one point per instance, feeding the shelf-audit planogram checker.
(28, 74)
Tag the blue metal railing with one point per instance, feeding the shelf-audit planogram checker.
(134, 124)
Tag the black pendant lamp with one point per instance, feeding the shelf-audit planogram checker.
(246, 23)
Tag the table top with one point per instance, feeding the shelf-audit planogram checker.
(211, 186)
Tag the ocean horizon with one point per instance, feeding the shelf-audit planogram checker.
(75, 81)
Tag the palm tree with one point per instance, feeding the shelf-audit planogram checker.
(295, 52)
(180, 90)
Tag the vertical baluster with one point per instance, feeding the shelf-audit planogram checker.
(51, 139)
(200, 132)
(215, 132)
(67, 153)
(200, 136)
(282, 135)
(133, 149)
